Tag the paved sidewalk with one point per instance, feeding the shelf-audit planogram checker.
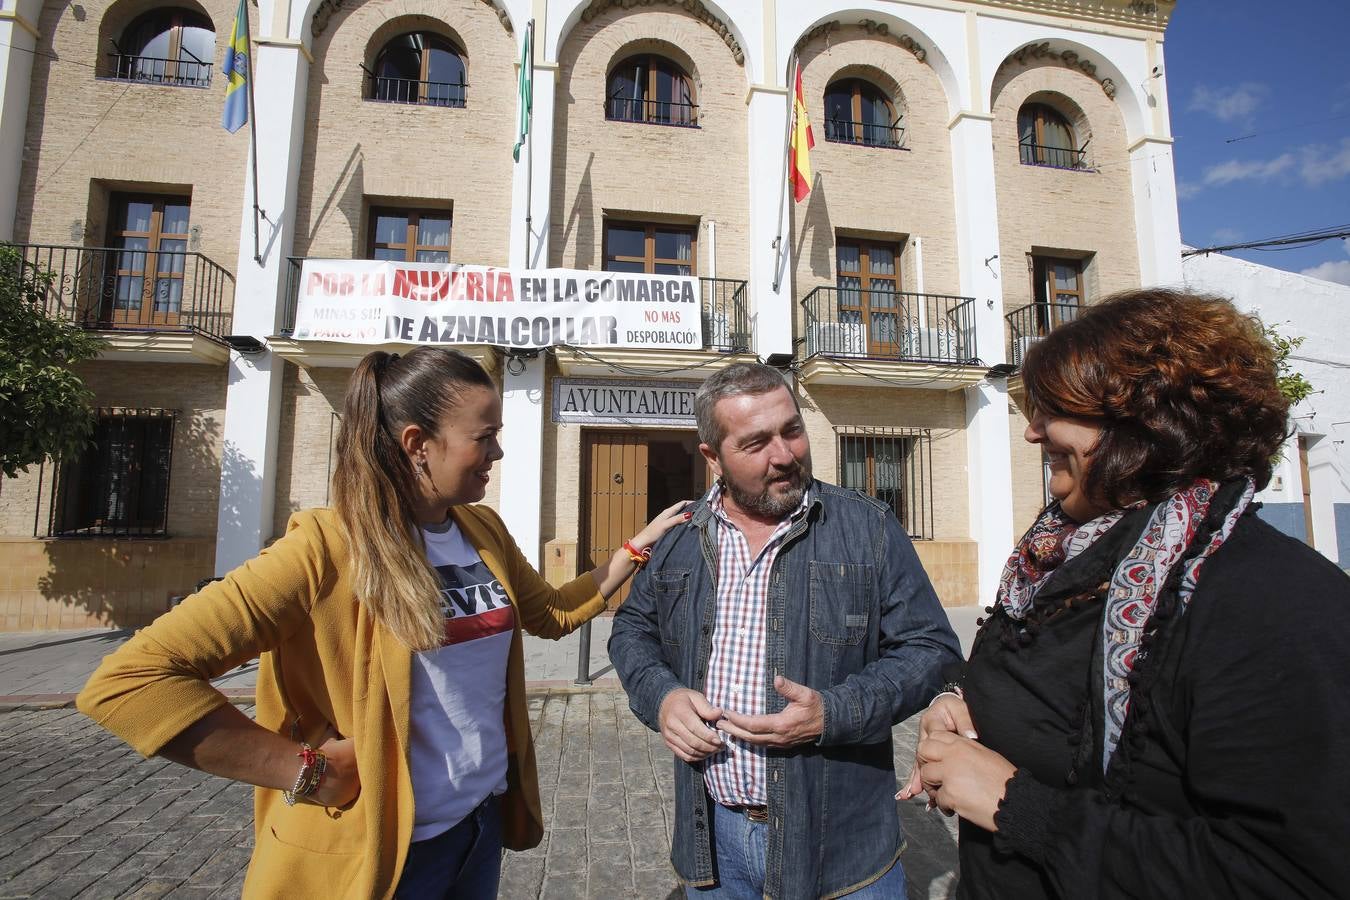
(82, 815)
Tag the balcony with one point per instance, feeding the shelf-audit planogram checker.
(652, 112)
(190, 72)
(867, 134)
(726, 333)
(1030, 323)
(855, 336)
(149, 305)
(1052, 157)
(382, 89)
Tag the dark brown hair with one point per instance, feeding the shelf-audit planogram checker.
(374, 486)
(1182, 385)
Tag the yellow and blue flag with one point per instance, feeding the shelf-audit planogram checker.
(236, 71)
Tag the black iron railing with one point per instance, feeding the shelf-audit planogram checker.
(119, 485)
(877, 324)
(653, 112)
(1052, 157)
(153, 70)
(140, 290)
(423, 93)
(726, 316)
(843, 131)
(894, 465)
(1030, 323)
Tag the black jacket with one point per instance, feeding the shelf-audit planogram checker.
(1231, 778)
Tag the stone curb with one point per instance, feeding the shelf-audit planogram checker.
(245, 696)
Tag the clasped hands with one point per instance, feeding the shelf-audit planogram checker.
(960, 775)
(692, 727)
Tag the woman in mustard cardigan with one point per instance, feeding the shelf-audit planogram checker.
(391, 749)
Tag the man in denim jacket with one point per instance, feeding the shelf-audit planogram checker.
(774, 640)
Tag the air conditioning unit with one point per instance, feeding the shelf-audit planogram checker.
(836, 339)
(930, 344)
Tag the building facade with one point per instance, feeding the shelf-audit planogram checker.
(982, 170)
(1309, 495)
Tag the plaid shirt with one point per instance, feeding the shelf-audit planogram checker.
(735, 774)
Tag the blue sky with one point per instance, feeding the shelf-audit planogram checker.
(1277, 72)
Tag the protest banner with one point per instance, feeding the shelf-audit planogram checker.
(374, 302)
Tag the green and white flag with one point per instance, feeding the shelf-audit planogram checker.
(526, 89)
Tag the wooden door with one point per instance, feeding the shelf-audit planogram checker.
(147, 268)
(630, 478)
(616, 507)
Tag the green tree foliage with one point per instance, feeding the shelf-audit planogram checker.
(46, 408)
(1293, 384)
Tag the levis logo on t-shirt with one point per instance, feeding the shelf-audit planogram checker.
(474, 603)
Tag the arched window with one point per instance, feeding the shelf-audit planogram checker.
(650, 89)
(419, 67)
(857, 112)
(166, 46)
(1044, 138)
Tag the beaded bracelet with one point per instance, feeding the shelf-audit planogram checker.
(639, 557)
(313, 764)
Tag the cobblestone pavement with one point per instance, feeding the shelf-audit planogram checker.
(81, 815)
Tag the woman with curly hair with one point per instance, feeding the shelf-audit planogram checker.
(1159, 703)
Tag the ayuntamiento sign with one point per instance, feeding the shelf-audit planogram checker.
(370, 302)
(605, 401)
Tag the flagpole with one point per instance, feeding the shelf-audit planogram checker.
(529, 144)
(253, 138)
(782, 182)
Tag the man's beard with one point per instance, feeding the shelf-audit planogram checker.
(766, 502)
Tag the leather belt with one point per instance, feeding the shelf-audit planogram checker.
(753, 813)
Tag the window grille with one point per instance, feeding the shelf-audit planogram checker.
(119, 486)
(895, 466)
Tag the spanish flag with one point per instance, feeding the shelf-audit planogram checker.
(236, 71)
(800, 144)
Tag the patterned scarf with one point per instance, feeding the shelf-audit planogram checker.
(1133, 593)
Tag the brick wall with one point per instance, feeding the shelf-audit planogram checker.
(1085, 213)
(633, 170)
(88, 136)
(359, 152)
(877, 192)
(82, 582)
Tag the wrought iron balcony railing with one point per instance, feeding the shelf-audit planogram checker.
(1030, 323)
(153, 70)
(726, 316)
(1052, 157)
(843, 131)
(110, 288)
(382, 89)
(653, 112)
(891, 325)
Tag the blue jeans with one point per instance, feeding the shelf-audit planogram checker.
(739, 845)
(464, 863)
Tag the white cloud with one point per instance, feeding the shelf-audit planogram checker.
(1255, 170)
(1320, 164)
(1234, 104)
(1188, 189)
(1337, 270)
(1225, 235)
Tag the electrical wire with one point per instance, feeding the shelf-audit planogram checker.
(1280, 242)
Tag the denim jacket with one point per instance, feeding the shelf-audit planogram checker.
(851, 614)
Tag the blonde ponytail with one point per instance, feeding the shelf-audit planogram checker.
(374, 485)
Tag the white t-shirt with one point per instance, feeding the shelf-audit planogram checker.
(458, 732)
